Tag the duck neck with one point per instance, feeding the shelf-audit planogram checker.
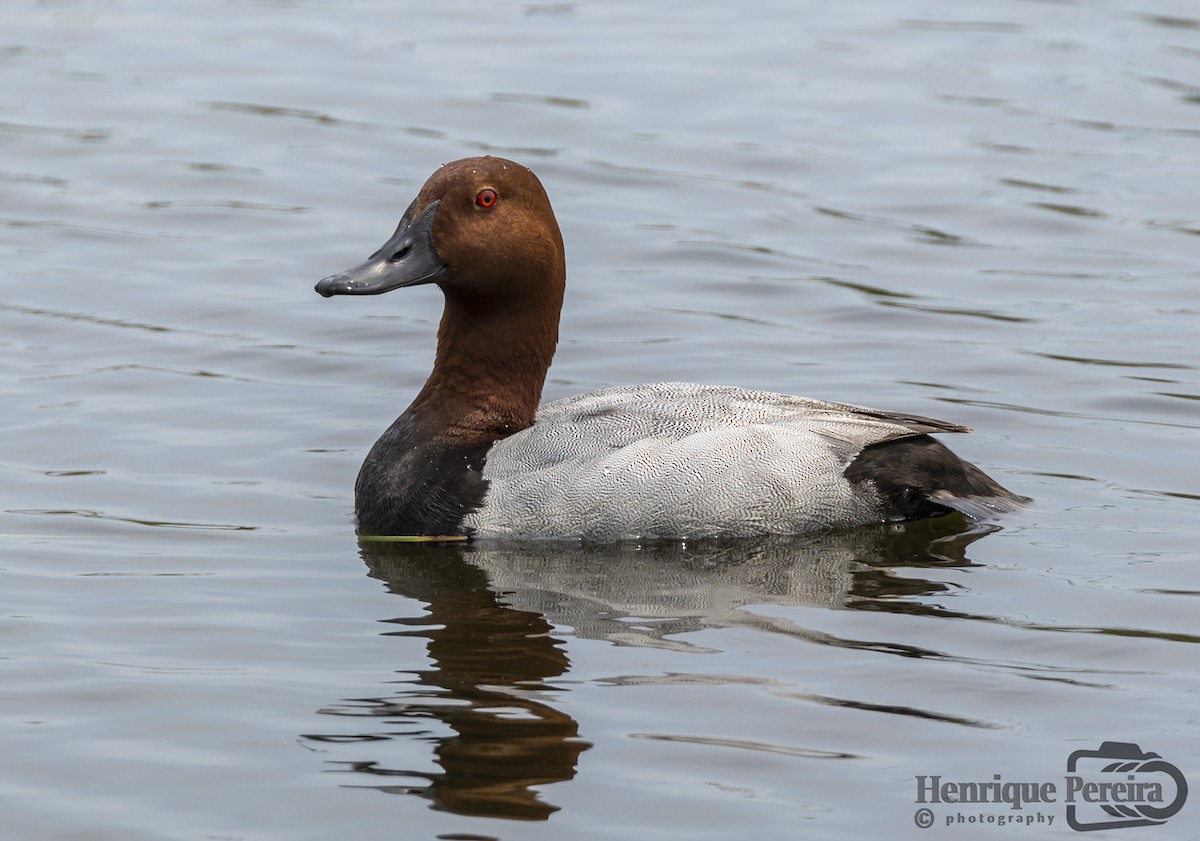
(488, 374)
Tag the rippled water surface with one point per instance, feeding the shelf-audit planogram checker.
(983, 212)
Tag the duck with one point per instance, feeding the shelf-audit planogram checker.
(474, 457)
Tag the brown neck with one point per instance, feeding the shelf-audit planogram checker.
(489, 371)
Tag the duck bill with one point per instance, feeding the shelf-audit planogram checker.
(407, 259)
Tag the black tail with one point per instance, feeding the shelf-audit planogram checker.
(920, 477)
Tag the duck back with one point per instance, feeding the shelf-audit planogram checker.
(684, 460)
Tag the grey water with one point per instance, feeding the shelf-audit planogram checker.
(981, 212)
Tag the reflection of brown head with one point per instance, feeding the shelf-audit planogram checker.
(489, 661)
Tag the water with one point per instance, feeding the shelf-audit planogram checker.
(979, 212)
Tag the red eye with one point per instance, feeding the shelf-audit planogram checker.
(487, 199)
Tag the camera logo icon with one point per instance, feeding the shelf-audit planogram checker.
(1119, 785)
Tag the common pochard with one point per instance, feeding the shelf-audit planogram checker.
(475, 456)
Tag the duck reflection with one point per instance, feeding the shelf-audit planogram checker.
(492, 610)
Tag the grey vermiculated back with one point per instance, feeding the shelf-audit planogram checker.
(678, 459)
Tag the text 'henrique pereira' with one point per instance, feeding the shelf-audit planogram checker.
(933, 789)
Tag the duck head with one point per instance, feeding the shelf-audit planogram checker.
(482, 229)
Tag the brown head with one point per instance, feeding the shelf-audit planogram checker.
(482, 229)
